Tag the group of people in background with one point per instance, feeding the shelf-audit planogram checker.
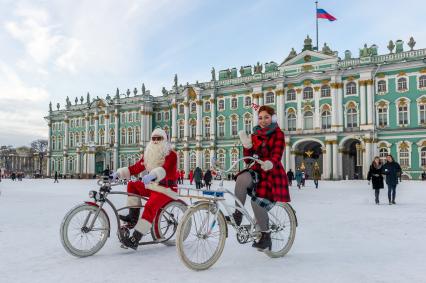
(300, 176)
(196, 175)
(392, 172)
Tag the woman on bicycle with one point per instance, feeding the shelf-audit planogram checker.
(266, 183)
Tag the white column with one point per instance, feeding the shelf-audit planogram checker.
(198, 130)
(335, 160)
(254, 112)
(299, 120)
(339, 118)
(64, 165)
(49, 148)
(107, 135)
(174, 122)
(328, 159)
(317, 115)
(370, 105)
(339, 163)
(186, 160)
(186, 125)
(213, 122)
(96, 128)
(86, 134)
(287, 154)
(116, 127)
(261, 95)
(199, 154)
(65, 144)
(334, 106)
(368, 158)
(280, 106)
(362, 106)
(143, 125)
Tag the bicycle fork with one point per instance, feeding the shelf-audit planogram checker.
(92, 223)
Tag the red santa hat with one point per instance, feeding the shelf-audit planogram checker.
(158, 132)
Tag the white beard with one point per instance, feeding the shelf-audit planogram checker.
(155, 154)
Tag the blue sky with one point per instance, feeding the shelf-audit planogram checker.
(53, 49)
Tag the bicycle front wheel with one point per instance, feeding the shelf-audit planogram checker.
(167, 221)
(201, 236)
(282, 223)
(76, 238)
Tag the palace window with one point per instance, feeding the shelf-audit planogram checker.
(234, 157)
(270, 98)
(383, 152)
(234, 126)
(193, 107)
(207, 106)
(404, 157)
(325, 91)
(53, 143)
(403, 114)
(221, 159)
(181, 131)
(352, 118)
(181, 109)
(206, 160)
(291, 95)
(130, 116)
(382, 112)
(181, 161)
(91, 136)
(247, 101)
(101, 119)
(112, 118)
(247, 124)
(130, 135)
(423, 157)
(221, 127)
(166, 129)
(206, 128)
(83, 137)
(123, 136)
(193, 129)
(112, 135)
(308, 93)
(166, 116)
(101, 137)
(138, 135)
(422, 113)
(351, 88)
(220, 105)
(123, 117)
(193, 160)
(77, 138)
(308, 120)
(402, 84)
(159, 116)
(381, 86)
(234, 103)
(326, 120)
(59, 142)
(71, 140)
(72, 123)
(422, 81)
(291, 122)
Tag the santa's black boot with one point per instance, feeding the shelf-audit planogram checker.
(133, 241)
(264, 242)
(132, 217)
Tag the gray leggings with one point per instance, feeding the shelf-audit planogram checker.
(245, 181)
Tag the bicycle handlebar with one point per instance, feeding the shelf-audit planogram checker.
(241, 159)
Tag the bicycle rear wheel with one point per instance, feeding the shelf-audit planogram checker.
(167, 222)
(75, 236)
(201, 236)
(282, 223)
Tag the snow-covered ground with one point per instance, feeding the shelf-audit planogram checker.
(342, 237)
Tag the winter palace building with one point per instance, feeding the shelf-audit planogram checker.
(336, 112)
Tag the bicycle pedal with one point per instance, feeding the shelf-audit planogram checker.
(124, 247)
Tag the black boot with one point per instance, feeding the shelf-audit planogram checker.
(132, 217)
(133, 241)
(264, 242)
(238, 217)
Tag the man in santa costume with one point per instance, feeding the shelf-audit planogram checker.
(160, 163)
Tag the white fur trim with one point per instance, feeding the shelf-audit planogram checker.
(160, 189)
(159, 132)
(134, 201)
(143, 226)
(124, 173)
(159, 172)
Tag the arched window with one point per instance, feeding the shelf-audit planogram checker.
(234, 156)
(382, 113)
(325, 91)
(383, 152)
(352, 117)
(206, 128)
(83, 137)
(221, 105)
(166, 129)
(234, 126)
(193, 129)
(193, 107)
(130, 116)
(326, 119)
(77, 138)
(291, 121)
(112, 135)
(181, 109)
(291, 95)
(206, 160)
(234, 103)
(270, 98)
(422, 81)
(247, 101)
(351, 88)
(221, 127)
(402, 113)
(308, 120)
(101, 137)
(422, 113)
(138, 135)
(221, 159)
(59, 142)
(166, 116)
(181, 130)
(308, 93)
(404, 157)
(207, 106)
(123, 136)
(402, 84)
(182, 161)
(53, 143)
(381, 86)
(423, 157)
(92, 136)
(159, 116)
(247, 124)
(193, 160)
(101, 119)
(71, 140)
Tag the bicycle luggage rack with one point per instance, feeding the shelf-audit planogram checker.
(201, 194)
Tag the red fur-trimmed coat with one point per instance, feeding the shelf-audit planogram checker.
(273, 184)
(166, 174)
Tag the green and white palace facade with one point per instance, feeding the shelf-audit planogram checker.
(336, 112)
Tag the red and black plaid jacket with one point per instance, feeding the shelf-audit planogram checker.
(273, 184)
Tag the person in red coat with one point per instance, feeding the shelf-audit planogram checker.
(191, 177)
(266, 183)
(182, 175)
(159, 162)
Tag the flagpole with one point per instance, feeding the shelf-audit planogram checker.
(316, 17)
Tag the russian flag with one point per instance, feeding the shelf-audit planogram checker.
(322, 14)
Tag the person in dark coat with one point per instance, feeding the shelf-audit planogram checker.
(392, 170)
(56, 177)
(265, 183)
(298, 177)
(424, 176)
(316, 174)
(375, 176)
(208, 179)
(198, 177)
(290, 176)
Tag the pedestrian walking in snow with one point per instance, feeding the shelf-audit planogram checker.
(290, 176)
(298, 177)
(198, 177)
(375, 177)
(208, 179)
(392, 170)
(56, 177)
(316, 174)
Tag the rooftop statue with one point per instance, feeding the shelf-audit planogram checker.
(213, 74)
(411, 43)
